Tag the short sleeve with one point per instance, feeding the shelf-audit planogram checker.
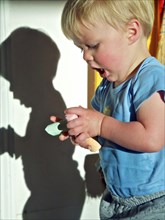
(150, 79)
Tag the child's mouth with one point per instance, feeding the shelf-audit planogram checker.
(101, 71)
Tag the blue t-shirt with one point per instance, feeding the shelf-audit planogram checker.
(130, 173)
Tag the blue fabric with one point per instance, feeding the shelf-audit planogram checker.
(130, 173)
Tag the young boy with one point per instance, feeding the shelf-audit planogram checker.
(128, 116)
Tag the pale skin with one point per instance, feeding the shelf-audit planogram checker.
(116, 54)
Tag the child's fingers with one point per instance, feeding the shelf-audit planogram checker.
(54, 119)
(63, 136)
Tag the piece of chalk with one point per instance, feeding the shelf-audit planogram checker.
(70, 117)
(56, 128)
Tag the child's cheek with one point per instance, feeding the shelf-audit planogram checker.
(104, 60)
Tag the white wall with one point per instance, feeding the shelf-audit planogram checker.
(70, 81)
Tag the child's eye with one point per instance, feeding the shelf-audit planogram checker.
(95, 46)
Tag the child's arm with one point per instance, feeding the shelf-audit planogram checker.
(144, 135)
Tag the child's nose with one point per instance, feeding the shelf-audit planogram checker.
(87, 55)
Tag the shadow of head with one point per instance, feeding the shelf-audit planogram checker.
(29, 61)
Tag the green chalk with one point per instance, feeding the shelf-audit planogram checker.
(57, 128)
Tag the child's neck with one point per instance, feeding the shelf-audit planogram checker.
(132, 73)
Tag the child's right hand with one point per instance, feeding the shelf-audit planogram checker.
(88, 143)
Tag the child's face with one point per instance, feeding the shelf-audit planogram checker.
(106, 50)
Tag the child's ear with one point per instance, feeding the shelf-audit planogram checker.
(134, 30)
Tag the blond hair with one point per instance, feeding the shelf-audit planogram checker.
(117, 13)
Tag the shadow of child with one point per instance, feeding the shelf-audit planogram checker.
(29, 60)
